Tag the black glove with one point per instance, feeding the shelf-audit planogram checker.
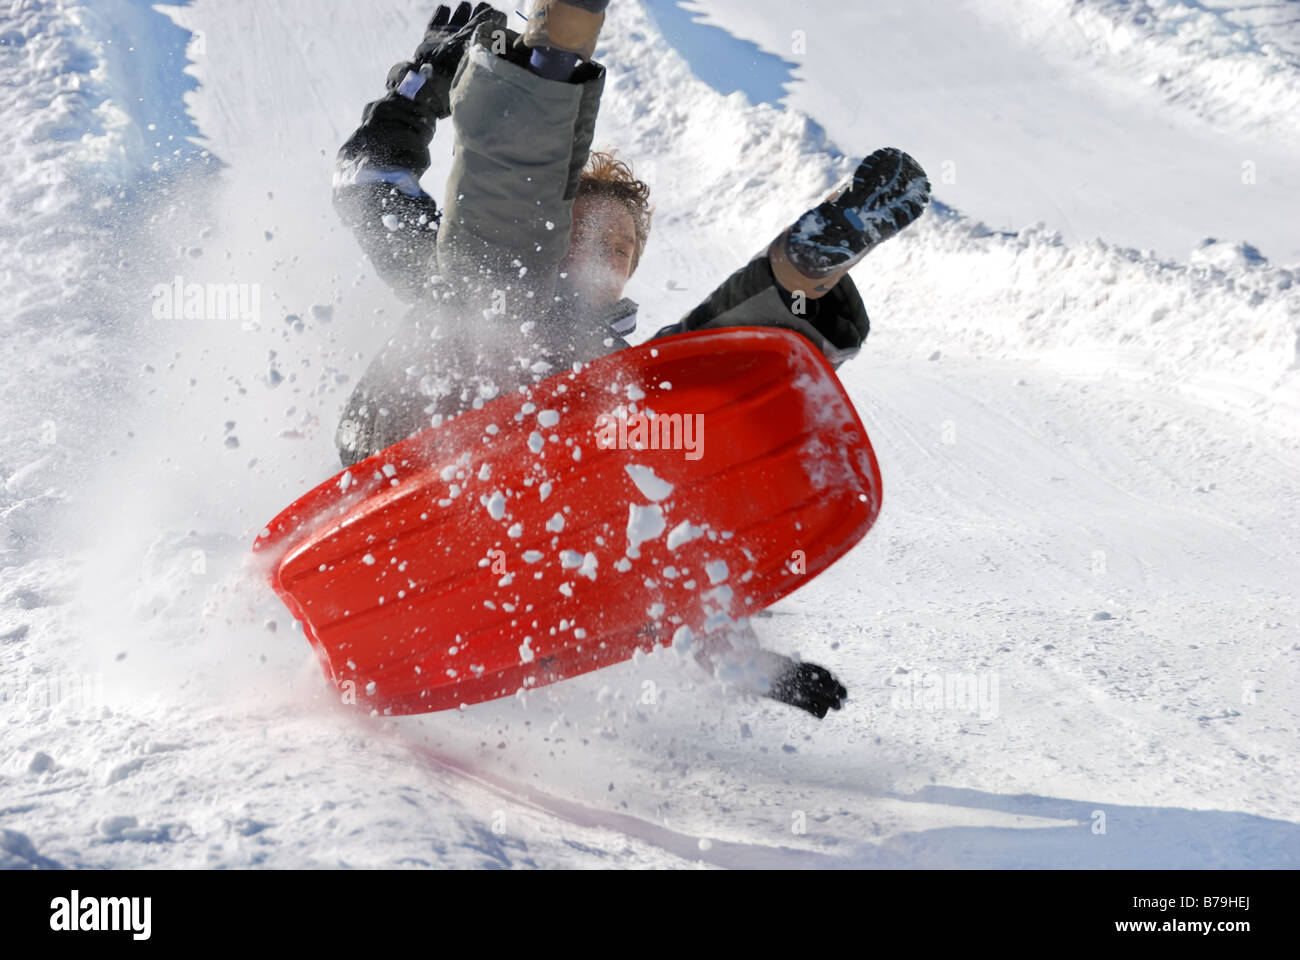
(396, 129)
(437, 58)
(809, 687)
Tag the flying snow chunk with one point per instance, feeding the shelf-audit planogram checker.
(682, 637)
(684, 532)
(651, 487)
(556, 523)
(717, 570)
(496, 505)
(722, 596)
(548, 418)
(525, 653)
(391, 222)
(536, 441)
(643, 523)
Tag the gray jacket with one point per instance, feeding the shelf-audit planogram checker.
(489, 313)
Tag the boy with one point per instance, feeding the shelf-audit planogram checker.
(521, 273)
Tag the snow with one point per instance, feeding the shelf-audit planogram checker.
(1087, 429)
(1022, 111)
(644, 522)
(652, 487)
(683, 533)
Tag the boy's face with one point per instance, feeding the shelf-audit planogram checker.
(601, 247)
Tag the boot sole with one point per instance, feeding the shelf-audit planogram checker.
(888, 191)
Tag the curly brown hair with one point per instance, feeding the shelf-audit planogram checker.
(607, 176)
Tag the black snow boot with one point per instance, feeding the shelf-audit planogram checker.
(808, 687)
(886, 193)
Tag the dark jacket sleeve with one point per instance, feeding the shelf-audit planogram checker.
(377, 189)
(837, 324)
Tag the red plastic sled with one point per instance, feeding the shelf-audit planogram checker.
(513, 547)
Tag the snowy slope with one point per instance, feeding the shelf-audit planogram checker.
(1042, 110)
(1090, 460)
(1232, 62)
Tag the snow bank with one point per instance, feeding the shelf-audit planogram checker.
(1233, 62)
(88, 155)
(1222, 326)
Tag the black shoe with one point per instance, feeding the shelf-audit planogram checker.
(886, 193)
(809, 687)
